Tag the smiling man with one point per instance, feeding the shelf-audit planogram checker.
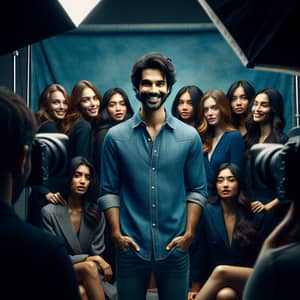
(153, 188)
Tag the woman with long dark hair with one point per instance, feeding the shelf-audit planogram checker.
(115, 108)
(81, 226)
(240, 94)
(229, 233)
(185, 105)
(265, 124)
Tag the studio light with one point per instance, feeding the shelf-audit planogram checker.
(78, 10)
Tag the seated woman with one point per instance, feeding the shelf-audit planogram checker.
(229, 233)
(81, 225)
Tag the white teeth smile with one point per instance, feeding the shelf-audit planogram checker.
(154, 98)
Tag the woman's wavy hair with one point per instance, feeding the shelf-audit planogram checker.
(205, 130)
(42, 115)
(277, 120)
(89, 200)
(244, 233)
(75, 113)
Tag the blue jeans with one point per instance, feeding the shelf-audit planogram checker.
(171, 275)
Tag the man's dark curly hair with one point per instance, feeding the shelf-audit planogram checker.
(153, 60)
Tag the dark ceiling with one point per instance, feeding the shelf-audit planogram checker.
(145, 12)
(30, 21)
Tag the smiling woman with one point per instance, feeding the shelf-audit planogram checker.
(265, 124)
(85, 101)
(198, 54)
(53, 106)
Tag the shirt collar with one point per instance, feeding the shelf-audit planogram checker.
(137, 121)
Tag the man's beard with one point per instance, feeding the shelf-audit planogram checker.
(152, 101)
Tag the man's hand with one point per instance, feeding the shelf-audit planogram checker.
(123, 242)
(181, 242)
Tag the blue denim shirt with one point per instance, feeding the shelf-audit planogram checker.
(151, 182)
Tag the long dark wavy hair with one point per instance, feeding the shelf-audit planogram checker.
(249, 92)
(91, 211)
(244, 233)
(277, 120)
(196, 93)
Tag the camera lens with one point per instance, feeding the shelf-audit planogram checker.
(50, 158)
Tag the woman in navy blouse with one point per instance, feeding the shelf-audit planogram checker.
(229, 233)
(222, 142)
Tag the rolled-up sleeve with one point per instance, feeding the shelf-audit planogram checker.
(110, 179)
(195, 176)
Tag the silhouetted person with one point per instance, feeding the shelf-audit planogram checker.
(35, 264)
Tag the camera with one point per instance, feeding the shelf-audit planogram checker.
(49, 159)
(272, 169)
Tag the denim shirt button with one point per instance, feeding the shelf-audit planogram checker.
(153, 205)
(153, 225)
(153, 187)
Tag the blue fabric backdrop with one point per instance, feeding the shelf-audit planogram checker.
(201, 57)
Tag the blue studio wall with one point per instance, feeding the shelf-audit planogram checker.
(201, 57)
